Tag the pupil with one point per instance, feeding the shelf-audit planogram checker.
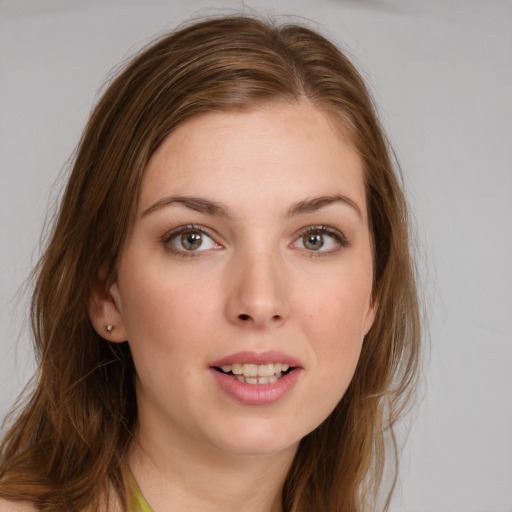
(191, 241)
(313, 242)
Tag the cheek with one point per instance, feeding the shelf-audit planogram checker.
(165, 335)
(333, 319)
(166, 314)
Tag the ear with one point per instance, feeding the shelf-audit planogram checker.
(105, 310)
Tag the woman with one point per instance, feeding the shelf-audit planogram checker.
(226, 313)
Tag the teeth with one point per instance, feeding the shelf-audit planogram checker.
(236, 368)
(267, 370)
(258, 380)
(252, 371)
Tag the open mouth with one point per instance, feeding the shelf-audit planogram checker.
(250, 373)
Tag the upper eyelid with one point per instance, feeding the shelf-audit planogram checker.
(167, 240)
(325, 229)
(337, 235)
(169, 234)
(329, 230)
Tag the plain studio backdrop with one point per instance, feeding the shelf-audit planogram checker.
(441, 73)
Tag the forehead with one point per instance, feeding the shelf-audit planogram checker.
(273, 152)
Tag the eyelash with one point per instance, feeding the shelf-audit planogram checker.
(174, 233)
(338, 236)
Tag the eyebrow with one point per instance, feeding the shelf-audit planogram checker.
(207, 206)
(194, 203)
(316, 203)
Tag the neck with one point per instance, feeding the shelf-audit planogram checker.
(188, 476)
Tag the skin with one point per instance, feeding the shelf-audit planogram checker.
(253, 285)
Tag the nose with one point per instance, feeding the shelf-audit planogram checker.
(258, 293)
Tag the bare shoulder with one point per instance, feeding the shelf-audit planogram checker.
(16, 506)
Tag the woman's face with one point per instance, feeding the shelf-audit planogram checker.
(244, 290)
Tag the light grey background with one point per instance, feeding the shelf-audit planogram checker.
(441, 72)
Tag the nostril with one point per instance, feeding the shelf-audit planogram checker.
(244, 317)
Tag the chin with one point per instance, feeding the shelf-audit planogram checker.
(254, 438)
(260, 448)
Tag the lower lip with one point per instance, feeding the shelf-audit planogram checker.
(256, 394)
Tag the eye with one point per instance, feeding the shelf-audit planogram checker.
(320, 239)
(189, 239)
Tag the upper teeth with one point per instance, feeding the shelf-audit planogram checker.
(255, 370)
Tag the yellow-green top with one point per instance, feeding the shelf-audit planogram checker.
(137, 501)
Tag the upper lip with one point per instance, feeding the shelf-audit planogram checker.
(271, 356)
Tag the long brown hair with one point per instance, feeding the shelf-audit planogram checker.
(65, 447)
